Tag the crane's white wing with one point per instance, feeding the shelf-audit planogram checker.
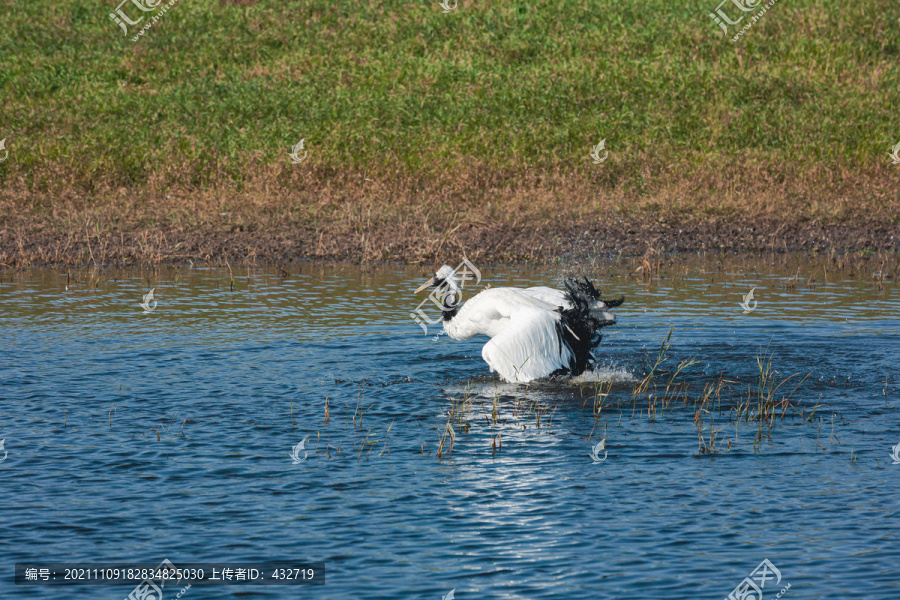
(549, 295)
(529, 347)
(488, 313)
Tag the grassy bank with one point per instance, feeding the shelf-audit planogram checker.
(419, 122)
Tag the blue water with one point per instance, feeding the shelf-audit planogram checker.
(136, 437)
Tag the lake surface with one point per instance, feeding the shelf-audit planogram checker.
(134, 436)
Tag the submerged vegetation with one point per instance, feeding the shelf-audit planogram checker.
(717, 411)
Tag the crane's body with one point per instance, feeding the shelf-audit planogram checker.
(534, 332)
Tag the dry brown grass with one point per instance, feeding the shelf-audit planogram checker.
(302, 211)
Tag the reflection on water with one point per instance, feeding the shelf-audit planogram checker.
(134, 435)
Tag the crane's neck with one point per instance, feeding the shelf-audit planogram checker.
(450, 306)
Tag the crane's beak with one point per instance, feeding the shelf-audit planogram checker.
(430, 283)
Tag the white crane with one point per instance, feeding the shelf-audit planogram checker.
(535, 332)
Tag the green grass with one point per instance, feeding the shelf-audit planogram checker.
(216, 93)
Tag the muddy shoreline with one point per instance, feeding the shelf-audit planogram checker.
(502, 242)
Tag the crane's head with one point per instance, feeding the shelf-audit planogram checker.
(445, 277)
(448, 292)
